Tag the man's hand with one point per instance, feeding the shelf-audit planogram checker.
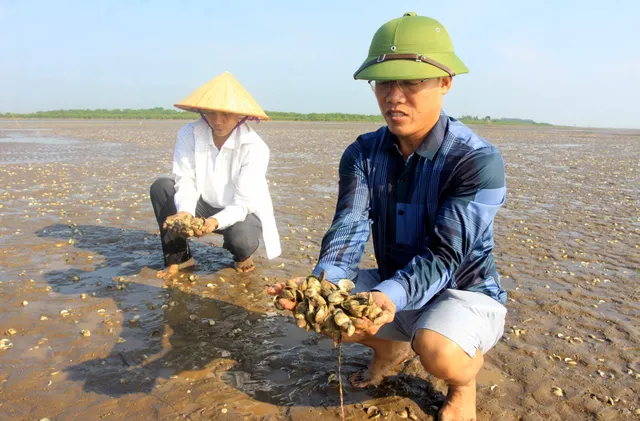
(366, 327)
(276, 289)
(176, 216)
(210, 225)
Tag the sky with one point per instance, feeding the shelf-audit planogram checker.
(563, 62)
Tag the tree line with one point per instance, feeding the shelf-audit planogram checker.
(159, 113)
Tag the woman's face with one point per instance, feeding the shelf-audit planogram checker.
(222, 123)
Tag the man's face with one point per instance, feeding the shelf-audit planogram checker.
(411, 107)
(222, 123)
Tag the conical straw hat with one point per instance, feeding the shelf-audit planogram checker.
(223, 93)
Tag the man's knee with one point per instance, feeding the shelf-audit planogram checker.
(441, 356)
(163, 186)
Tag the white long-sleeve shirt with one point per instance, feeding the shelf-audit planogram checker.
(232, 178)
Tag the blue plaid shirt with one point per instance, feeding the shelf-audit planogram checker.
(431, 216)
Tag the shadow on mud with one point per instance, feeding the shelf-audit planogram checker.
(275, 362)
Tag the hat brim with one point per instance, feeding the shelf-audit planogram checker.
(411, 69)
(205, 109)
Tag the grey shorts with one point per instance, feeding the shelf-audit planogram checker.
(472, 320)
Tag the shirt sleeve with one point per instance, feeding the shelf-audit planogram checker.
(250, 186)
(343, 244)
(477, 190)
(184, 165)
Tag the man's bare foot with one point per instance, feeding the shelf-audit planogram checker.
(387, 355)
(171, 270)
(245, 266)
(460, 404)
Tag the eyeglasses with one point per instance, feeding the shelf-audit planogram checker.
(383, 87)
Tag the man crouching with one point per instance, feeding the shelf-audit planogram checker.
(427, 188)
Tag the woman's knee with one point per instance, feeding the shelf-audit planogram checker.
(241, 240)
(163, 186)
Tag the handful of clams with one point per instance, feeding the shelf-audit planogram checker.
(329, 308)
(185, 226)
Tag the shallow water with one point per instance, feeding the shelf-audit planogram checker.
(38, 140)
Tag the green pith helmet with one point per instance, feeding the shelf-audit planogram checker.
(410, 47)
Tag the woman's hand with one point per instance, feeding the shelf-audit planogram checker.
(176, 216)
(210, 225)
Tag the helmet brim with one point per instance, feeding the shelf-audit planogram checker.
(410, 69)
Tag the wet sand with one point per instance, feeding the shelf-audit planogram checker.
(75, 215)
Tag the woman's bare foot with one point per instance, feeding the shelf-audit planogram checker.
(387, 355)
(460, 404)
(245, 266)
(173, 269)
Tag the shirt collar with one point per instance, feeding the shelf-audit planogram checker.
(429, 145)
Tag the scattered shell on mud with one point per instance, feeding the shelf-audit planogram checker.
(25, 303)
(327, 307)
(5, 344)
(85, 332)
(11, 331)
(64, 313)
(372, 412)
(557, 391)
(517, 331)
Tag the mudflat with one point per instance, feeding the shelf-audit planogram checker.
(90, 333)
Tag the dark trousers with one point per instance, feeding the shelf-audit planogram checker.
(241, 239)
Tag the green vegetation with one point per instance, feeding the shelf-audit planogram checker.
(169, 114)
(144, 114)
(165, 114)
(469, 119)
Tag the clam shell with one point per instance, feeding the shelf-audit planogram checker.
(335, 298)
(321, 314)
(351, 329)
(319, 300)
(313, 283)
(340, 318)
(346, 285)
